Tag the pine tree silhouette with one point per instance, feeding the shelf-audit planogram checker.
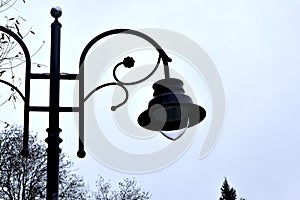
(228, 193)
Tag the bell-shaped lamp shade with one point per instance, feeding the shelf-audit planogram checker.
(170, 111)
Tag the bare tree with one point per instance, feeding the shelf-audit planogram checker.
(25, 178)
(128, 190)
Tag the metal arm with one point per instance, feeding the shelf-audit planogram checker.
(82, 98)
(25, 151)
(14, 88)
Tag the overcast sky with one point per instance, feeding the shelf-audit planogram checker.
(255, 48)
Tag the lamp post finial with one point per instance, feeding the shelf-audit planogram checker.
(56, 12)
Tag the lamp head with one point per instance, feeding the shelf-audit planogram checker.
(170, 111)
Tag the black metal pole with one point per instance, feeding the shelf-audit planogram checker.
(53, 138)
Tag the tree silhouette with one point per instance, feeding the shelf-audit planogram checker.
(128, 190)
(227, 192)
(25, 178)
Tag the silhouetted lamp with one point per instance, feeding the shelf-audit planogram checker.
(170, 111)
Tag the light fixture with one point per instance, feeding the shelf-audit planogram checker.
(171, 111)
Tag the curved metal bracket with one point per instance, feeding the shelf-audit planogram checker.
(113, 108)
(25, 151)
(166, 59)
(14, 88)
(162, 56)
(138, 81)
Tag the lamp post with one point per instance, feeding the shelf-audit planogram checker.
(170, 111)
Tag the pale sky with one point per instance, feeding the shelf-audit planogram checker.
(255, 48)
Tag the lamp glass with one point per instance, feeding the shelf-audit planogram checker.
(175, 134)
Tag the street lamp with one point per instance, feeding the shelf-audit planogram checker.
(171, 111)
